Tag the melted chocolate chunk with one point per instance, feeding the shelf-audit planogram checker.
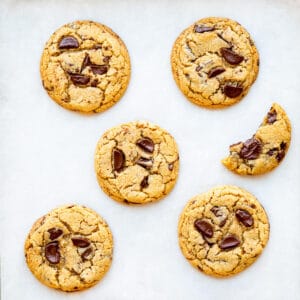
(271, 151)
(80, 242)
(217, 211)
(204, 228)
(280, 155)
(251, 149)
(86, 62)
(198, 69)
(118, 159)
(68, 42)
(144, 182)
(244, 217)
(87, 254)
(94, 83)
(99, 69)
(145, 162)
(146, 144)
(271, 117)
(223, 222)
(79, 79)
(282, 145)
(106, 59)
(231, 57)
(232, 91)
(171, 167)
(215, 71)
(229, 242)
(202, 28)
(52, 252)
(55, 233)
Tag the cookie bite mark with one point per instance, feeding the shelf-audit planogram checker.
(214, 63)
(266, 149)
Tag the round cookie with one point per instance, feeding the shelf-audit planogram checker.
(136, 163)
(85, 67)
(214, 62)
(223, 231)
(265, 149)
(70, 248)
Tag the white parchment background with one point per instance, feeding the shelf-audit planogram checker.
(46, 152)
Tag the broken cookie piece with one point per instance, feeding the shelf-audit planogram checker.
(267, 147)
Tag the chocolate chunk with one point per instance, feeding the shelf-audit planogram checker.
(223, 222)
(144, 182)
(204, 227)
(220, 214)
(229, 242)
(79, 79)
(94, 83)
(202, 28)
(55, 233)
(99, 69)
(222, 38)
(231, 57)
(280, 155)
(215, 71)
(68, 42)
(217, 211)
(232, 91)
(52, 252)
(244, 217)
(86, 62)
(87, 254)
(198, 69)
(145, 162)
(118, 159)
(80, 242)
(251, 149)
(146, 144)
(171, 166)
(271, 151)
(272, 117)
(106, 59)
(282, 145)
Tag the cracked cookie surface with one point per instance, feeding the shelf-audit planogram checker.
(214, 62)
(267, 147)
(136, 163)
(85, 67)
(223, 231)
(70, 248)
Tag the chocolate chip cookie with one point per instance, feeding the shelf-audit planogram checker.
(85, 67)
(70, 248)
(214, 62)
(136, 163)
(265, 149)
(223, 231)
